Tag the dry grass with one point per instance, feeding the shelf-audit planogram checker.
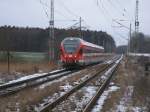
(26, 67)
(32, 96)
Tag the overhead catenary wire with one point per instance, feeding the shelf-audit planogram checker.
(100, 4)
(106, 12)
(118, 10)
(72, 13)
(126, 12)
(120, 35)
(43, 6)
(102, 10)
(107, 16)
(46, 7)
(122, 6)
(68, 10)
(122, 25)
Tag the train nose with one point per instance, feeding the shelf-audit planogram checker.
(70, 58)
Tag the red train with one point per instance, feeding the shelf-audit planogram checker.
(77, 52)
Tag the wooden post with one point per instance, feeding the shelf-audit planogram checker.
(8, 61)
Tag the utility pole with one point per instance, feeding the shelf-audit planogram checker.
(129, 40)
(136, 24)
(137, 17)
(8, 61)
(51, 32)
(81, 28)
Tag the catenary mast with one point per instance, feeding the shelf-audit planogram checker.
(51, 32)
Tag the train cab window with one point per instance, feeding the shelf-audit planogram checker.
(71, 45)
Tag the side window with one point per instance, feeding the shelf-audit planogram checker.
(85, 50)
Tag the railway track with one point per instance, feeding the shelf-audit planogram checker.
(102, 87)
(109, 70)
(33, 80)
(16, 85)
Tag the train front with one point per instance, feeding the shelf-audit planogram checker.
(70, 52)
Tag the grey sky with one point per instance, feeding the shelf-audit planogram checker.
(96, 15)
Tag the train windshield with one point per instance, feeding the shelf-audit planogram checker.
(71, 45)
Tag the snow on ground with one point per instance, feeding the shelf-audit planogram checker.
(82, 79)
(13, 107)
(1, 81)
(140, 54)
(26, 77)
(66, 87)
(57, 80)
(103, 97)
(109, 62)
(30, 76)
(63, 89)
(49, 99)
(124, 104)
(88, 92)
(5, 77)
(56, 70)
(122, 107)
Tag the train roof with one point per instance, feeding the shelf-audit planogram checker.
(84, 42)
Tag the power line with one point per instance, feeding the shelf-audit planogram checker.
(71, 13)
(105, 10)
(122, 25)
(46, 5)
(58, 12)
(116, 8)
(120, 35)
(67, 9)
(125, 10)
(46, 11)
(102, 10)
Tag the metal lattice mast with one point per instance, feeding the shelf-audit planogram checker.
(51, 32)
(137, 17)
(80, 27)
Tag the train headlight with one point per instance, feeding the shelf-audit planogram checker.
(70, 56)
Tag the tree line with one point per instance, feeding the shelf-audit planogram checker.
(140, 43)
(20, 39)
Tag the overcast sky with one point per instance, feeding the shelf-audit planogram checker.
(97, 14)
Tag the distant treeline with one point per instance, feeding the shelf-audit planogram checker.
(121, 49)
(36, 39)
(140, 43)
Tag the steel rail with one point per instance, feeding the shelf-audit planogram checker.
(13, 87)
(26, 85)
(8, 85)
(16, 88)
(52, 105)
(101, 89)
